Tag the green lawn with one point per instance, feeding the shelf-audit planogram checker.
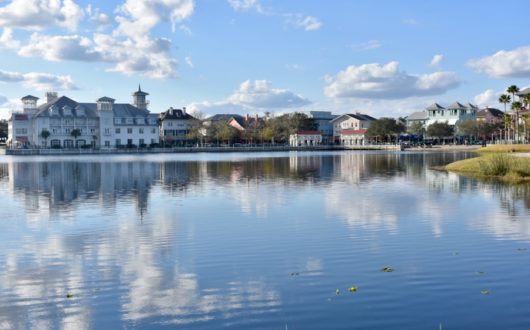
(496, 165)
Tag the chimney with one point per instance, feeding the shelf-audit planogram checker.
(184, 111)
(51, 96)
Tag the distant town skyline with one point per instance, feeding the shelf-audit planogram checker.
(383, 58)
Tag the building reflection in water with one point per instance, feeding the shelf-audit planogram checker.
(141, 262)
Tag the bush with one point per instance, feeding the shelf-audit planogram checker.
(496, 165)
(143, 145)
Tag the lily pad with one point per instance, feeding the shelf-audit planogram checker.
(387, 269)
(353, 289)
(485, 292)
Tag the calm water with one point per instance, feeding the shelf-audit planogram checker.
(260, 241)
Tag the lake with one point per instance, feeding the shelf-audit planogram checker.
(260, 241)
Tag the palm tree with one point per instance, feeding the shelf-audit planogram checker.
(75, 133)
(516, 106)
(505, 98)
(526, 118)
(513, 89)
(507, 124)
(45, 134)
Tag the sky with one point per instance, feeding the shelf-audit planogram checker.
(383, 58)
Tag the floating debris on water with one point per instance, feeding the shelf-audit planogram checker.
(485, 292)
(295, 274)
(387, 269)
(353, 289)
(69, 295)
(337, 292)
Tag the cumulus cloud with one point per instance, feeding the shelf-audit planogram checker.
(307, 23)
(140, 16)
(371, 44)
(504, 64)
(39, 14)
(436, 59)
(57, 48)
(38, 80)
(488, 98)
(189, 61)
(99, 18)
(387, 81)
(260, 94)
(6, 39)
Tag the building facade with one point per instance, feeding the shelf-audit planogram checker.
(305, 139)
(176, 125)
(452, 115)
(350, 121)
(64, 123)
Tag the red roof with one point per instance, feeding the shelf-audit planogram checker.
(308, 133)
(353, 131)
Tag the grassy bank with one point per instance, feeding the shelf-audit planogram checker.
(504, 148)
(500, 166)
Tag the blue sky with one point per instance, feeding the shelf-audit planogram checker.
(384, 58)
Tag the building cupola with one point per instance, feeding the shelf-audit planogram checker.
(139, 99)
(29, 102)
(105, 103)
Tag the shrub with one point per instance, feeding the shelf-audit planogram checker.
(495, 165)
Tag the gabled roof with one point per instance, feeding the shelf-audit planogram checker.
(471, 106)
(358, 116)
(140, 92)
(176, 114)
(456, 105)
(121, 109)
(351, 131)
(524, 92)
(434, 106)
(223, 117)
(420, 115)
(494, 112)
(29, 97)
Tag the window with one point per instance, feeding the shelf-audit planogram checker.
(153, 130)
(141, 130)
(129, 130)
(54, 130)
(118, 142)
(169, 124)
(92, 130)
(141, 141)
(107, 143)
(107, 131)
(67, 131)
(118, 131)
(21, 131)
(123, 120)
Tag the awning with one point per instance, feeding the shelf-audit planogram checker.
(22, 139)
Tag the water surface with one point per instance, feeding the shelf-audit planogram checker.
(260, 241)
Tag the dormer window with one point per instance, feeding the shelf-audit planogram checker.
(67, 111)
(54, 110)
(80, 111)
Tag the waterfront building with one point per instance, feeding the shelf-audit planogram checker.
(324, 125)
(305, 138)
(176, 125)
(490, 116)
(419, 117)
(350, 121)
(353, 137)
(452, 115)
(69, 124)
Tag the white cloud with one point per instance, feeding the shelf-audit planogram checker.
(140, 16)
(260, 94)
(436, 59)
(58, 48)
(189, 62)
(307, 23)
(211, 108)
(371, 44)
(488, 98)
(387, 82)
(38, 14)
(38, 80)
(186, 29)
(7, 40)
(97, 17)
(246, 5)
(504, 64)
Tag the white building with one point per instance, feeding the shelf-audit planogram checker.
(350, 121)
(305, 139)
(353, 137)
(452, 115)
(71, 124)
(175, 125)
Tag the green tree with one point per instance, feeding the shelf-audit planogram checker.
(3, 129)
(75, 133)
(507, 119)
(416, 128)
(225, 132)
(388, 128)
(45, 134)
(513, 89)
(469, 127)
(440, 130)
(267, 134)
